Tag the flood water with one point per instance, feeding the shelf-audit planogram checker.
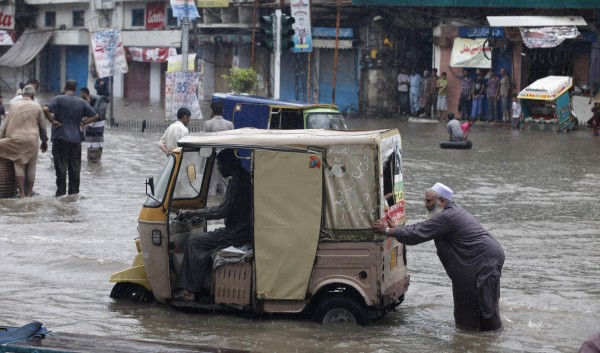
(537, 192)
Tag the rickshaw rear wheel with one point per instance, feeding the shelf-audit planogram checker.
(340, 308)
(132, 291)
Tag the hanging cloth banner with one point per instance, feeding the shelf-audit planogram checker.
(181, 90)
(547, 37)
(303, 37)
(150, 55)
(469, 53)
(108, 52)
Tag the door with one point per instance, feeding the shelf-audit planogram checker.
(137, 80)
(77, 65)
(287, 220)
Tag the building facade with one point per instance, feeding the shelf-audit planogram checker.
(358, 47)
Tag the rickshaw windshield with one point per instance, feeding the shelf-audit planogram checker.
(191, 173)
(161, 184)
(331, 121)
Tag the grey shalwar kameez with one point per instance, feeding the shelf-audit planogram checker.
(236, 209)
(473, 260)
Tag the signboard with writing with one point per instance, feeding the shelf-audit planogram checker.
(108, 52)
(181, 90)
(155, 15)
(213, 3)
(184, 8)
(469, 53)
(7, 17)
(302, 38)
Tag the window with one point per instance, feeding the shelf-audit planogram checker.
(50, 19)
(171, 20)
(78, 18)
(138, 18)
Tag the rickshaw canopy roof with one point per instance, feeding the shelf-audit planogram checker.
(249, 137)
(547, 88)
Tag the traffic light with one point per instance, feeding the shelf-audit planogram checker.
(267, 29)
(287, 32)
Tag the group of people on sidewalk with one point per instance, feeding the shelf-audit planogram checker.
(427, 96)
(422, 96)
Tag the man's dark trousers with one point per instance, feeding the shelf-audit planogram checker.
(67, 158)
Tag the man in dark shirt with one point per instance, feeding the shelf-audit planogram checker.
(68, 114)
(236, 209)
(472, 257)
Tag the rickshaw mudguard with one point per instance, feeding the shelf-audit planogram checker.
(136, 274)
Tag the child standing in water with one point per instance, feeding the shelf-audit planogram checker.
(516, 113)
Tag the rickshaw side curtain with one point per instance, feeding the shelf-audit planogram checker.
(352, 186)
(287, 219)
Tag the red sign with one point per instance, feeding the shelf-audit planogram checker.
(150, 54)
(155, 15)
(6, 18)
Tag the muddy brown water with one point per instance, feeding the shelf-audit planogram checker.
(537, 192)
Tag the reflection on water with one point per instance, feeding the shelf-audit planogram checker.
(536, 191)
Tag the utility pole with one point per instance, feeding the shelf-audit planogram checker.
(277, 60)
(185, 42)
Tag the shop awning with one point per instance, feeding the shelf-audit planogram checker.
(535, 21)
(27, 47)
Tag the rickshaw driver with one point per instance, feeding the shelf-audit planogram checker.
(236, 209)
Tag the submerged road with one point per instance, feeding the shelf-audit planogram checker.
(537, 192)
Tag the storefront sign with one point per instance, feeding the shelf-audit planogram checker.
(7, 19)
(181, 89)
(155, 15)
(480, 32)
(302, 38)
(150, 54)
(184, 8)
(470, 53)
(547, 37)
(330, 32)
(213, 3)
(108, 52)
(176, 64)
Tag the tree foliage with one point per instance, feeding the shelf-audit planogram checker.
(241, 80)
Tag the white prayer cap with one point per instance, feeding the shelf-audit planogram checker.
(443, 191)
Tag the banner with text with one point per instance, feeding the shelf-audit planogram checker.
(303, 37)
(7, 37)
(547, 37)
(470, 53)
(184, 8)
(149, 55)
(181, 90)
(108, 52)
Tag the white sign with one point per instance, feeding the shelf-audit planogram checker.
(108, 52)
(181, 90)
(470, 53)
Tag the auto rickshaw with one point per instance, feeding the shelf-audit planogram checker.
(546, 104)
(246, 110)
(315, 194)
